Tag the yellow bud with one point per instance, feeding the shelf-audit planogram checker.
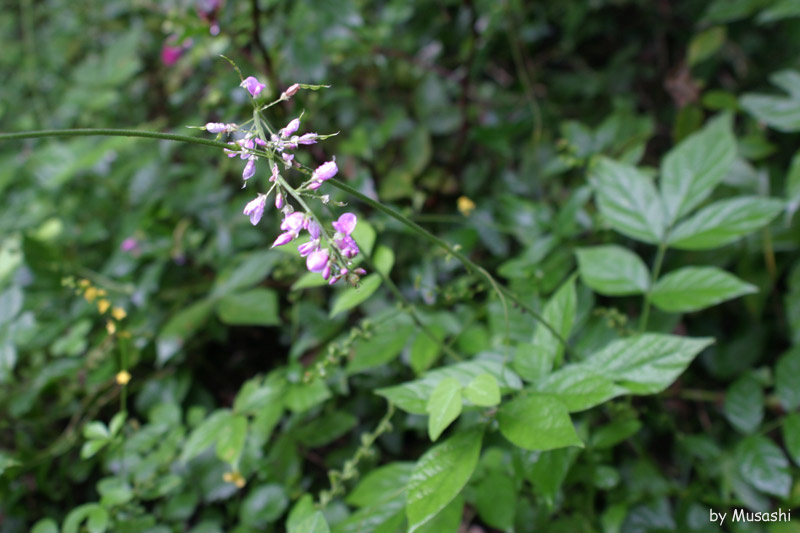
(465, 205)
(111, 327)
(227, 477)
(103, 305)
(83, 283)
(123, 377)
(118, 313)
(90, 294)
(101, 292)
(240, 482)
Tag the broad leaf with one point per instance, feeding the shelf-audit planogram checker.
(724, 222)
(694, 288)
(537, 422)
(791, 436)
(483, 391)
(205, 434)
(439, 476)
(444, 406)
(580, 387)
(628, 200)
(613, 270)
(691, 170)
(787, 377)
(381, 485)
(764, 466)
(496, 500)
(180, 328)
(648, 363)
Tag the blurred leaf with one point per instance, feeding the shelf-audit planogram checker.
(779, 112)
(628, 200)
(744, 404)
(780, 10)
(691, 170)
(787, 376)
(791, 436)
(313, 523)
(617, 431)
(705, 44)
(496, 500)
(537, 422)
(426, 350)
(764, 466)
(350, 298)
(256, 307)
(180, 329)
(724, 222)
(205, 434)
(695, 288)
(579, 387)
(264, 505)
(381, 485)
(232, 435)
(326, 429)
(439, 476)
(483, 391)
(384, 345)
(444, 406)
(250, 271)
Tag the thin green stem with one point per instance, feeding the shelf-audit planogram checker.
(662, 249)
(502, 292)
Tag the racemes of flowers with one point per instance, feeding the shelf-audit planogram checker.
(329, 253)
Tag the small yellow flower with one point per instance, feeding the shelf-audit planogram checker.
(90, 294)
(83, 283)
(465, 206)
(111, 327)
(101, 292)
(103, 305)
(118, 313)
(234, 477)
(123, 377)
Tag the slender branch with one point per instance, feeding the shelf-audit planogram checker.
(502, 291)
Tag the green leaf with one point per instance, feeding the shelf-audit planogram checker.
(75, 517)
(96, 430)
(98, 520)
(439, 476)
(787, 377)
(548, 470)
(45, 525)
(560, 314)
(615, 432)
(254, 395)
(381, 485)
(91, 447)
(352, 297)
(231, 438)
(496, 500)
(628, 200)
(779, 10)
(180, 328)
(764, 466)
(791, 436)
(537, 422)
(483, 390)
(6, 462)
(313, 523)
(205, 434)
(114, 491)
(613, 270)
(263, 505)
(579, 387)
(779, 112)
(426, 350)
(695, 288)
(744, 404)
(691, 170)
(325, 429)
(413, 396)
(256, 307)
(448, 519)
(793, 186)
(443, 406)
(724, 222)
(383, 346)
(704, 44)
(648, 363)
(300, 397)
(252, 270)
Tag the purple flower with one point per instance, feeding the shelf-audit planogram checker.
(231, 153)
(287, 158)
(291, 227)
(279, 200)
(306, 248)
(291, 91)
(318, 261)
(255, 208)
(346, 224)
(129, 244)
(215, 127)
(307, 138)
(348, 246)
(253, 86)
(290, 128)
(275, 174)
(325, 171)
(249, 169)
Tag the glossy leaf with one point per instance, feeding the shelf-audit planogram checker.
(764, 465)
(744, 404)
(537, 422)
(483, 391)
(695, 288)
(628, 200)
(613, 270)
(724, 222)
(439, 476)
(443, 406)
(256, 307)
(787, 378)
(691, 170)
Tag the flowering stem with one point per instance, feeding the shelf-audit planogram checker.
(502, 291)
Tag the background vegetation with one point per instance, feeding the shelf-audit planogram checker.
(260, 401)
